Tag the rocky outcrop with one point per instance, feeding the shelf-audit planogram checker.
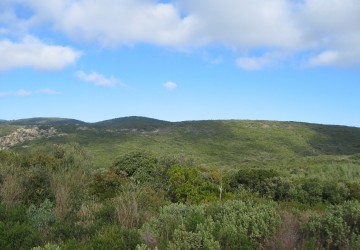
(24, 134)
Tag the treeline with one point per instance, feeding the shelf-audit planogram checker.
(55, 199)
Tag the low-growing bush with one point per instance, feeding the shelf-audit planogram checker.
(113, 237)
(338, 228)
(141, 168)
(16, 230)
(37, 186)
(105, 184)
(231, 225)
(188, 185)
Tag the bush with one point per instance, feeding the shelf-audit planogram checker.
(354, 189)
(262, 181)
(105, 184)
(37, 186)
(16, 230)
(48, 246)
(40, 160)
(142, 168)
(71, 156)
(336, 192)
(231, 225)
(308, 191)
(189, 186)
(249, 223)
(43, 215)
(338, 228)
(113, 237)
(106, 214)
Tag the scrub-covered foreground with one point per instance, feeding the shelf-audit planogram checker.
(301, 190)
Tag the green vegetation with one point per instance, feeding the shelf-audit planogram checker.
(139, 183)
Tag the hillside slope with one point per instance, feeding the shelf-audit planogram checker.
(229, 143)
(44, 121)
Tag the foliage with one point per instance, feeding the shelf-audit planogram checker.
(309, 191)
(189, 186)
(338, 228)
(336, 192)
(37, 186)
(16, 230)
(105, 184)
(48, 246)
(113, 237)
(261, 181)
(40, 160)
(141, 167)
(244, 223)
(230, 225)
(43, 215)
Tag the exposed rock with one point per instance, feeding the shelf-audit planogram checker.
(23, 134)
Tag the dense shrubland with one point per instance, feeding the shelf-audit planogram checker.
(57, 199)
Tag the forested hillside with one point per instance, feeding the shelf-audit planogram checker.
(141, 183)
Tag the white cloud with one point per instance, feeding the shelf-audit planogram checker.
(246, 23)
(290, 26)
(114, 22)
(24, 93)
(259, 62)
(97, 79)
(324, 59)
(170, 86)
(332, 29)
(31, 52)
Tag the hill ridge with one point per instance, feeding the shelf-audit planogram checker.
(71, 121)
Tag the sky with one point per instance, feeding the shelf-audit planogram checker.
(175, 60)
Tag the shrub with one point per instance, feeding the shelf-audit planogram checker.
(106, 214)
(71, 156)
(70, 190)
(308, 191)
(189, 186)
(105, 184)
(40, 160)
(266, 182)
(37, 186)
(249, 223)
(231, 225)
(48, 246)
(43, 215)
(354, 189)
(113, 237)
(16, 230)
(15, 235)
(338, 228)
(142, 168)
(336, 192)
(11, 190)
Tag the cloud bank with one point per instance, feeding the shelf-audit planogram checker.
(317, 32)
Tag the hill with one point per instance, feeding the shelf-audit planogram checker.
(44, 121)
(132, 122)
(223, 143)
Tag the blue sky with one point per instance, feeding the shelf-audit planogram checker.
(181, 60)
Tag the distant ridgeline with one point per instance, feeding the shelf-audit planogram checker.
(213, 142)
